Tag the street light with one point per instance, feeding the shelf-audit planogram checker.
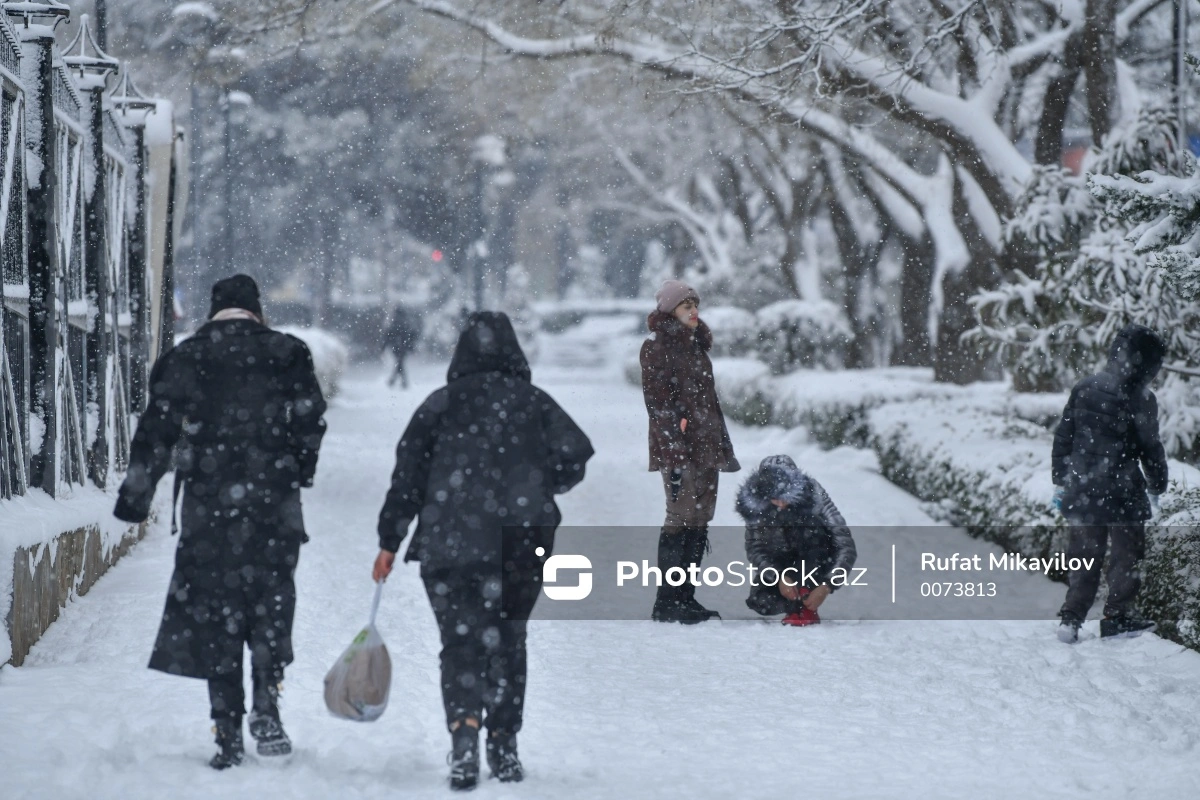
(243, 101)
(487, 154)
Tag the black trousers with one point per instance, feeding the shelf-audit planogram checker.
(482, 618)
(399, 372)
(227, 694)
(1124, 573)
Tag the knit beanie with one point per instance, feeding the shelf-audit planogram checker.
(240, 291)
(672, 293)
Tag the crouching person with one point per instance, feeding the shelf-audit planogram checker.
(246, 403)
(793, 530)
(478, 467)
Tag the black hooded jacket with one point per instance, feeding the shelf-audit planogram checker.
(486, 452)
(1108, 436)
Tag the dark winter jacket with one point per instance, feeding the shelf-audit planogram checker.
(678, 384)
(243, 403)
(482, 456)
(1109, 435)
(810, 529)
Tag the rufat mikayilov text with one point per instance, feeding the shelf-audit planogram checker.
(1002, 561)
(737, 573)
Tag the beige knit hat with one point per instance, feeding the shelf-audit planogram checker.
(672, 293)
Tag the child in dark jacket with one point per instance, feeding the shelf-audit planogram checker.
(792, 525)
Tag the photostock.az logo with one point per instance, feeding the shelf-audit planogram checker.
(566, 562)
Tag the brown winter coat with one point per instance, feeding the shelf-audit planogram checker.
(677, 383)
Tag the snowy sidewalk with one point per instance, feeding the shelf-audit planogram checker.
(615, 709)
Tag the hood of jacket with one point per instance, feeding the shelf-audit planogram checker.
(669, 329)
(777, 477)
(488, 344)
(1136, 355)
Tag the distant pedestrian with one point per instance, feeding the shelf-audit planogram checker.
(796, 540)
(401, 338)
(244, 403)
(689, 442)
(479, 466)
(1106, 456)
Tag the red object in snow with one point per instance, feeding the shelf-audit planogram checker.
(436, 255)
(804, 616)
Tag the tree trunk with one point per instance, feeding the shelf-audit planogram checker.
(956, 360)
(915, 349)
(1100, 66)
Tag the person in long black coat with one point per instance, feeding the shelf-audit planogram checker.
(479, 466)
(243, 403)
(1106, 457)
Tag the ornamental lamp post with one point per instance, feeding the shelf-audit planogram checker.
(134, 108)
(87, 58)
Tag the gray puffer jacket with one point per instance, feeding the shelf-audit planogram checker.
(809, 529)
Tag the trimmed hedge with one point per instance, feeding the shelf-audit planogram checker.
(990, 473)
(979, 456)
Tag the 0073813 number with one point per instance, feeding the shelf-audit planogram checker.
(954, 589)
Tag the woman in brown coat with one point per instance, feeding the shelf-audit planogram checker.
(689, 443)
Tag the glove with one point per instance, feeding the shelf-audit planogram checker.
(676, 483)
(1057, 502)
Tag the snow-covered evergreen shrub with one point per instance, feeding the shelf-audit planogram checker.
(990, 472)
(796, 334)
(734, 330)
(740, 388)
(1052, 322)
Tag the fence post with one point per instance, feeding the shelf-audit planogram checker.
(94, 67)
(35, 24)
(129, 99)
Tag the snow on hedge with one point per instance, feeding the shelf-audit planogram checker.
(833, 405)
(989, 472)
(794, 334)
(979, 455)
(735, 331)
(330, 355)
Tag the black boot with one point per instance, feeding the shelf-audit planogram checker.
(229, 740)
(695, 545)
(502, 757)
(1068, 629)
(464, 757)
(671, 544)
(265, 725)
(1126, 626)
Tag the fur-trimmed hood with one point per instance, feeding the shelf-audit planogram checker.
(777, 477)
(674, 332)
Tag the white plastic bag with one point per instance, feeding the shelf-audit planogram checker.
(358, 684)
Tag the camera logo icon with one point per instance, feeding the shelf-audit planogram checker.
(564, 562)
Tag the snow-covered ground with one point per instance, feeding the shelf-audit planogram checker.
(853, 708)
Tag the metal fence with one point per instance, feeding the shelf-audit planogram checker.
(77, 293)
